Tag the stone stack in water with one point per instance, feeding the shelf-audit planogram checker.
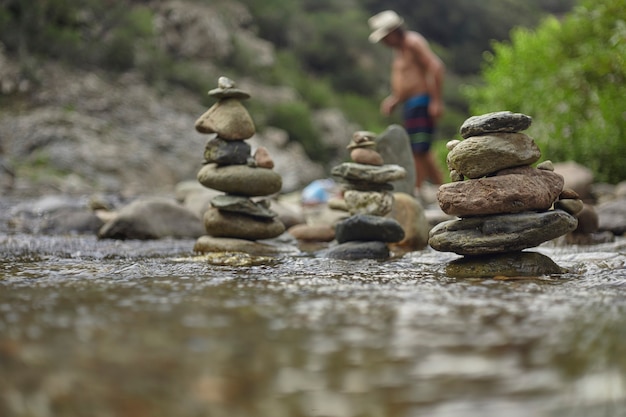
(504, 204)
(243, 211)
(368, 198)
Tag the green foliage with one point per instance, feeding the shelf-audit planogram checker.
(295, 119)
(569, 76)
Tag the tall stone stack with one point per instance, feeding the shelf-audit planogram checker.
(504, 205)
(243, 212)
(368, 198)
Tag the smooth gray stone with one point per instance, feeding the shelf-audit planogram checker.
(365, 227)
(366, 186)
(502, 121)
(483, 155)
(369, 173)
(241, 204)
(356, 250)
(514, 264)
(227, 152)
(394, 146)
(240, 179)
(500, 233)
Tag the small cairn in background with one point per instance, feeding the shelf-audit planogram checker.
(504, 205)
(242, 215)
(368, 198)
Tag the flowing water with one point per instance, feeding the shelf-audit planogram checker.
(129, 328)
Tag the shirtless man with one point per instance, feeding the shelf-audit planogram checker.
(416, 80)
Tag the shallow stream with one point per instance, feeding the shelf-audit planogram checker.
(130, 328)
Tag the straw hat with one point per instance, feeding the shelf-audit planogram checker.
(382, 24)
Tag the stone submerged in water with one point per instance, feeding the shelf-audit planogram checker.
(240, 179)
(226, 224)
(502, 121)
(365, 227)
(207, 244)
(511, 191)
(513, 265)
(483, 155)
(356, 250)
(500, 233)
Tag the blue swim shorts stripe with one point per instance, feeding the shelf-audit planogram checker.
(418, 124)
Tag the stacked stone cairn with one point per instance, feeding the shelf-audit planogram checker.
(243, 213)
(503, 204)
(368, 197)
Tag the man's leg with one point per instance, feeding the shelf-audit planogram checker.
(426, 169)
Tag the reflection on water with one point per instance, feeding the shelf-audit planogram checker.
(91, 328)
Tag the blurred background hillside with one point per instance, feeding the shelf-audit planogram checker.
(297, 57)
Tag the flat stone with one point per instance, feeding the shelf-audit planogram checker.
(220, 223)
(514, 265)
(502, 121)
(366, 186)
(222, 93)
(500, 233)
(516, 190)
(368, 202)
(240, 179)
(366, 156)
(355, 250)
(368, 173)
(226, 152)
(483, 155)
(243, 205)
(209, 244)
(229, 119)
(366, 227)
(312, 233)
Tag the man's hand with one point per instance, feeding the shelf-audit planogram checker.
(388, 104)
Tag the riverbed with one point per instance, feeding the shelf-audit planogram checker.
(147, 328)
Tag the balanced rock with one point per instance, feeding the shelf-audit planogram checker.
(367, 227)
(500, 233)
(513, 265)
(240, 179)
(226, 152)
(226, 88)
(368, 173)
(366, 156)
(220, 223)
(502, 121)
(483, 155)
(368, 202)
(210, 244)
(262, 158)
(511, 191)
(229, 119)
(243, 205)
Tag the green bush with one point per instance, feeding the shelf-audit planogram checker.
(295, 118)
(569, 76)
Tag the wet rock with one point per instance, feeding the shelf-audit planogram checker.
(209, 244)
(500, 233)
(502, 121)
(366, 227)
(520, 190)
(412, 217)
(71, 220)
(226, 152)
(226, 224)
(368, 202)
(394, 146)
(356, 250)
(240, 179)
(368, 173)
(515, 264)
(483, 155)
(153, 218)
(229, 119)
(243, 205)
